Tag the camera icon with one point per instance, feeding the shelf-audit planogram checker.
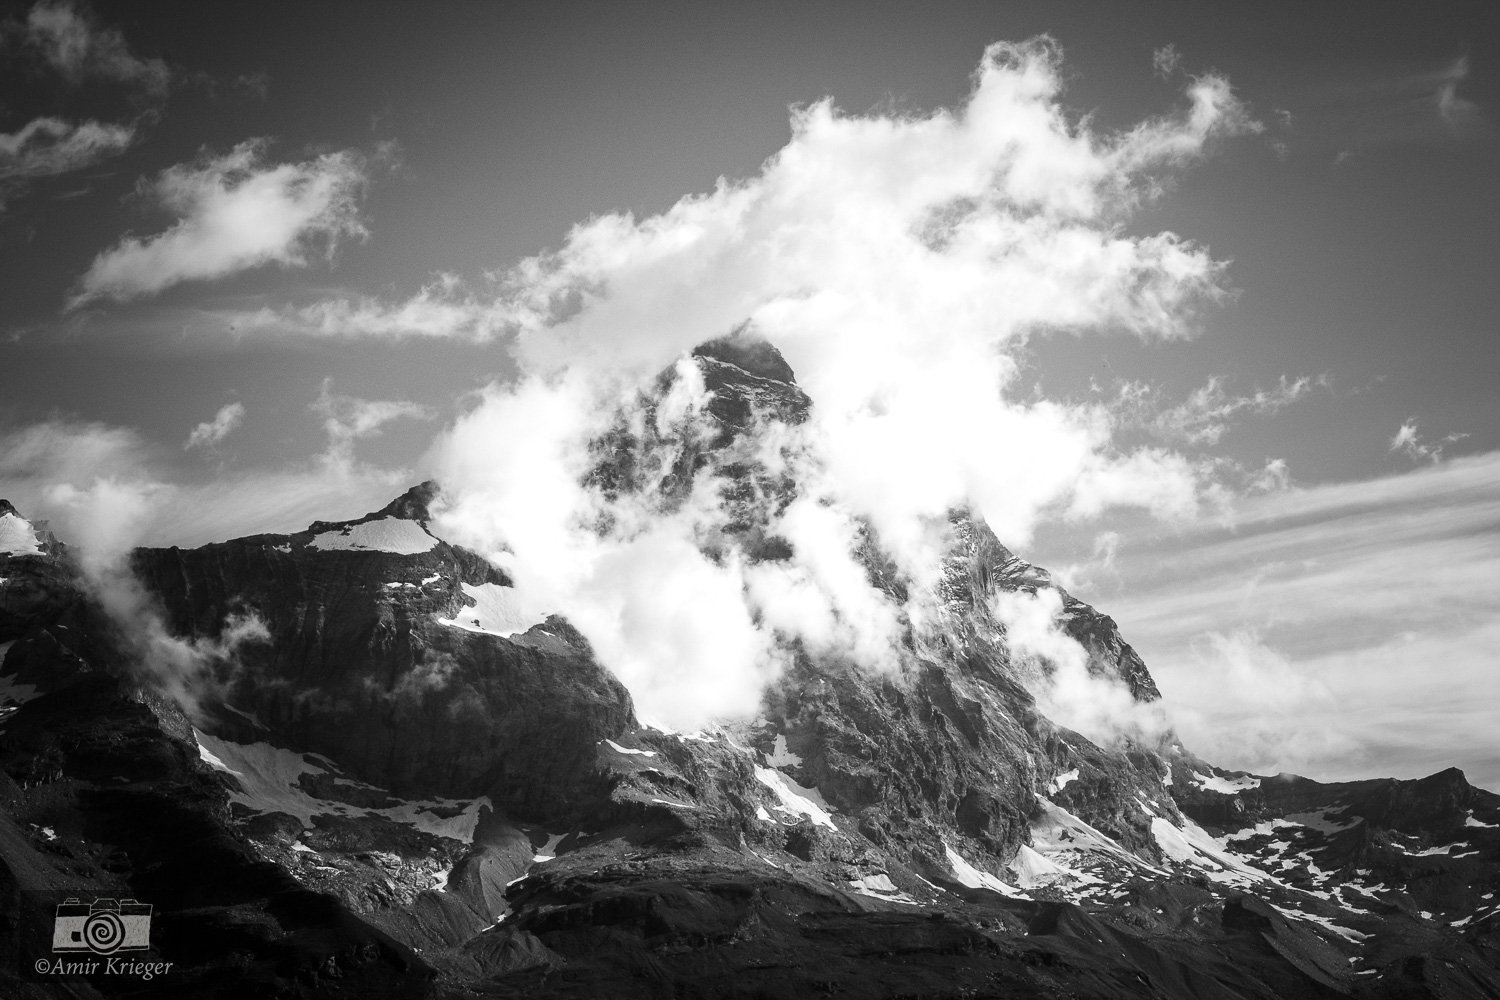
(102, 927)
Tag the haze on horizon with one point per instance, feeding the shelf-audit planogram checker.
(266, 270)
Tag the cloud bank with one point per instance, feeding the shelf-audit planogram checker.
(898, 261)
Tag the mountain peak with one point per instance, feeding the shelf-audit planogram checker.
(414, 504)
(750, 353)
(18, 536)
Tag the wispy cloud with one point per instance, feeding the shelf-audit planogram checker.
(1209, 411)
(1459, 112)
(1408, 440)
(211, 432)
(347, 419)
(1346, 113)
(234, 212)
(1375, 596)
(48, 469)
(46, 146)
(1165, 60)
(72, 40)
(443, 308)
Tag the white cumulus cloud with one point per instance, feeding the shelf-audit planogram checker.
(234, 212)
(898, 261)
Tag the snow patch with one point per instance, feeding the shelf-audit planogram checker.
(1321, 822)
(972, 877)
(495, 611)
(212, 760)
(1344, 932)
(1429, 852)
(1059, 830)
(881, 887)
(1033, 869)
(795, 799)
(629, 750)
(17, 536)
(268, 775)
(1226, 786)
(761, 814)
(548, 851)
(385, 534)
(1191, 844)
(780, 756)
(875, 883)
(1262, 830)
(1060, 782)
(1469, 820)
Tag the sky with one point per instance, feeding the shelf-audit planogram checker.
(274, 265)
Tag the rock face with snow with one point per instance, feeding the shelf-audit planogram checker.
(382, 776)
(385, 648)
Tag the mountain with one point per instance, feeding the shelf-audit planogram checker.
(382, 778)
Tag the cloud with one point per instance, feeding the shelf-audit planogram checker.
(38, 458)
(1248, 707)
(899, 262)
(234, 212)
(211, 432)
(1409, 441)
(47, 146)
(1348, 112)
(1457, 111)
(347, 419)
(107, 519)
(1379, 592)
(94, 484)
(443, 308)
(1098, 706)
(1208, 412)
(1165, 60)
(79, 48)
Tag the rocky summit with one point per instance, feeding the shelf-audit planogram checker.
(382, 777)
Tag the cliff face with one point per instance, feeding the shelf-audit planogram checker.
(398, 655)
(406, 785)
